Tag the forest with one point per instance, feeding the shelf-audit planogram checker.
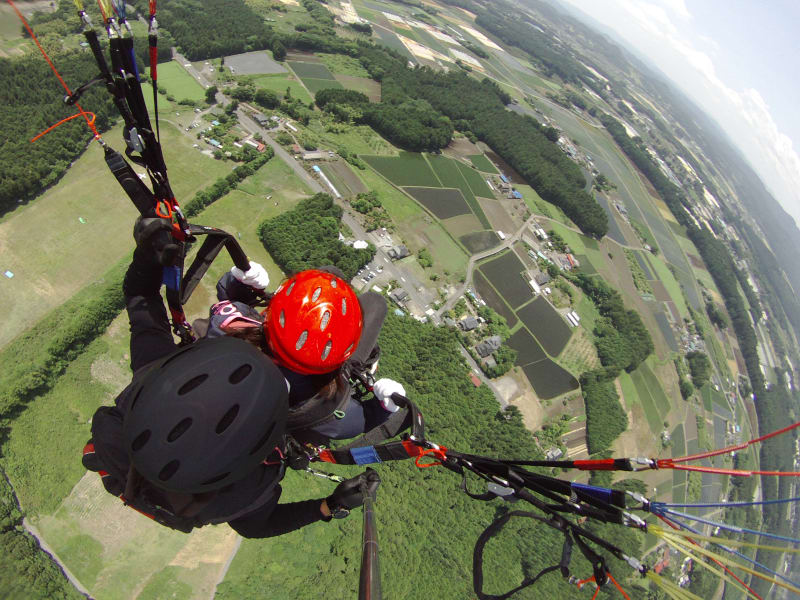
(307, 237)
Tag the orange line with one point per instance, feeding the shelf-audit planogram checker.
(89, 122)
(49, 129)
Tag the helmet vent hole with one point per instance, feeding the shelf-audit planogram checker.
(216, 479)
(140, 440)
(326, 316)
(264, 439)
(327, 350)
(301, 340)
(179, 429)
(240, 374)
(333, 283)
(282, 319)
(227, 419)
(169, 470)
(192, 384)
(344, 306)
(290, 288)
(315, 295)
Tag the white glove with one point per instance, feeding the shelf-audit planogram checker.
(256, 276)
(383, 390)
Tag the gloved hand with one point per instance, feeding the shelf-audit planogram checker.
(154, 239)
(383, 390)
(348, 494)
(256, 276)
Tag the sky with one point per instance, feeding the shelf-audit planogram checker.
(738, 60)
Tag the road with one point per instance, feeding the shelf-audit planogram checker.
(510, 239)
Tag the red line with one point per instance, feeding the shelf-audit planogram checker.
(89, 122)
(619, 587)
(729, 448)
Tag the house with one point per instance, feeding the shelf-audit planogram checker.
(398, 295)
(475, 380)
(468, 323)
(314, 155)
(261, 147)
(489, 345)
(215, 143)
(296, 149)
(261, 120)
(252, 143)
(398, 252)
(542, 278)
(554, 453)
(449, 322)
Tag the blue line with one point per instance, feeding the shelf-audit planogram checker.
(739, 554)
(728, 527)
(725, 504)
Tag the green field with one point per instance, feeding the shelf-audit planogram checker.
(660, 269)
(482, 163)
(629, 391)
(409, 168)
(451, 176)
(651, 397)
(178, 83)
(53, 254)
(341, 64)
(315, 85)
(308, 70)
(279, 84)
(476, 181)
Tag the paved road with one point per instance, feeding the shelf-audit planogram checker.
(510, 239)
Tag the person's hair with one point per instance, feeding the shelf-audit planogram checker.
(254, 335)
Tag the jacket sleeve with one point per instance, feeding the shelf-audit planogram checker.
(275, 519)
(230, 288)
(151, 337)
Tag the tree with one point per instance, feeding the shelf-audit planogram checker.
(278, 50)
(211, 94)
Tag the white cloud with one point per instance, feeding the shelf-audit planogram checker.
(743, 113)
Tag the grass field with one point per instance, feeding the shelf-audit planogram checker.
(174, 78)
(476, 181)
(409, 168)
(53, 254)
(279, 84)
(368, 87)
(482, 163)
(479, 241)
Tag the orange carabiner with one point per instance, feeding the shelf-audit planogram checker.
(437, 452)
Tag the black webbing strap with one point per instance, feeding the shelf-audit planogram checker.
(367, 449)
(494, 529)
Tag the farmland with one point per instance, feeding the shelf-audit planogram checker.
(549, 380)
(450, 175)
(315, 76)
(479, 241)
(253, 63)
(493, 299)
(409, 168)
(546, 324)
(280, 83)
(505, 274)
(528, 349)
(482, 163)
(444, 203)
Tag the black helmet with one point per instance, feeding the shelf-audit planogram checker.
(205, 416)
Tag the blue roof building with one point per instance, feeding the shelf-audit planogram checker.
(516, 195)
(505, 179)
(215, 123)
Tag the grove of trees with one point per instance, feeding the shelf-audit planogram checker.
(307, 237)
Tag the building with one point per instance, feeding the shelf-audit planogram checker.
(398, 252)
(468, 323)
(449, 322)
(314, 155)
(542, 278)
(215, 143)
(261, 120)
(489, 345)
(399, 295)
(296, 149)
(475, 380)
(535, 286)
(554, 453)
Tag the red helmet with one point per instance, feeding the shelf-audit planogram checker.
(313, 322)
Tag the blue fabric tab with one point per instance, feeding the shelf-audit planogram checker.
(603, 494)
(365, 455)
(172, 278)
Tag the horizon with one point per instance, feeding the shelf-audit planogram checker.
(728, 60)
